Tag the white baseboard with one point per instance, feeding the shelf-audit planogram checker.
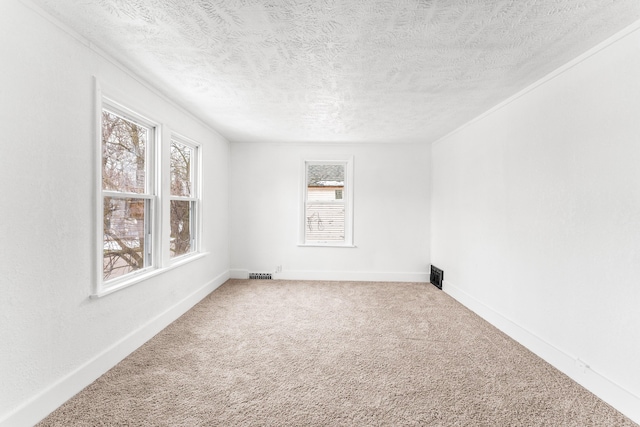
(238, 273)
(356, 276)
(45, 402)
(606, 389)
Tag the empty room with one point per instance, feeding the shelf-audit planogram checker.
(320, 213)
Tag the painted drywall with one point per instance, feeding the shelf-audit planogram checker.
(391, 212)
(50, 329)
(536, 218)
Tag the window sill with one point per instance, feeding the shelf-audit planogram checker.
(144, 275)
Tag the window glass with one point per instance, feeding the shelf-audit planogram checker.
(325, 211)
(124, 146)
(183, 198)
(136, 235)
(124, 236)
(181, 232)
(181, 177)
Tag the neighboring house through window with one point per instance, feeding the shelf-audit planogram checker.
(183, 197)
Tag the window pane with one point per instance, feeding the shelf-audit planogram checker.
(325, 182)
(124, 236)
(181, 219)
(124, 146)
(181, 180)
(325, 210)
(325, 175)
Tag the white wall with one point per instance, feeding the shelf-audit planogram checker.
(54, 339)
(536, 219)
(391, 212)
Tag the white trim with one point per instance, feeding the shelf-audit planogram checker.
(183, 198)
(39, 406)
(123, 195)
(603, 387)
(142, 275)
(196, 196)
(185, 259)
(325, 245)
(129, 114)
(335, 144)
(165, 181)
(98, 214)
(152, 193)
(348, 201)
(238, 273)
(353, 276)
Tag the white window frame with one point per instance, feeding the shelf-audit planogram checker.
(347, 195)
(195, 198)
(158, 171)
(153, 238)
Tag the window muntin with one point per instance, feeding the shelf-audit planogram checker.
(183, 198)
(327, 203)
(127, 194)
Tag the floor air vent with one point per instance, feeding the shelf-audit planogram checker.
(260, 276)
(437, 276)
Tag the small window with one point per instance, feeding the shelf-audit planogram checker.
(147, 198)
(184, 200)
(327, 201)
(128, 193)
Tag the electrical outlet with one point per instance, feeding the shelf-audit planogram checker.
(278, 269)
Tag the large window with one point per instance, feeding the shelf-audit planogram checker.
(327, 203)
(149, 203)
(183, 198)
(128, 193)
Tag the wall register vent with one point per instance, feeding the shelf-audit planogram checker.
(437, 276)
(260, 276)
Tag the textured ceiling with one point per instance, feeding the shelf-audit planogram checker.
(342, 70)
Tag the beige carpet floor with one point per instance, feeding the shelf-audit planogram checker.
(286, 353)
